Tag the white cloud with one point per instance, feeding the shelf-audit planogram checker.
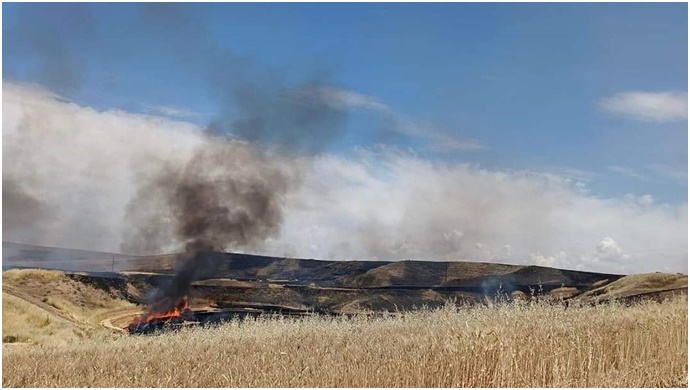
(609, 250)
(628, 172)
(438, 141)
(644, 200)
(559, 259)
(609, 256)
(678, 173)
(343, 99)
(576, 174)
(174, 112)
(383, 203)
(648, 106)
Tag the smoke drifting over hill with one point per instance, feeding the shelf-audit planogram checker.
(95, 177)
(227, 195)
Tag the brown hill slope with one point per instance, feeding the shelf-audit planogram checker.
(469, 276)
(425, 273)
(653, 285)
(48, 306)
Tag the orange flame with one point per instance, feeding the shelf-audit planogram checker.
(168, 315)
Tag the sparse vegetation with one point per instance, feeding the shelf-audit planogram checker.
(522, 344)
(656, 280)
(23, 322)
(49, 308)
(564, 292)
(20, 275)
(632, 285)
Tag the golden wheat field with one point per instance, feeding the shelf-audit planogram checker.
(508, 345)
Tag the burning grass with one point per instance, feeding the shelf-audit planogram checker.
(515, 345)
(178, 311)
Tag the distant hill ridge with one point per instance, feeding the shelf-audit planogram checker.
(12, 251)
(412, 274)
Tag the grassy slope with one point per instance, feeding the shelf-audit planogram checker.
(23, 322)
(425, 273)
(645, 345)
(49, 307)
(635, 285)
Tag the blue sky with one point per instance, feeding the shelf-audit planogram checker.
(590, 91)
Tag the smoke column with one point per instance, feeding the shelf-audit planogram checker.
(228, 195)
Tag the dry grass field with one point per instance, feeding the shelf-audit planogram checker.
(637, 284)
(510, 345)
(48, 308)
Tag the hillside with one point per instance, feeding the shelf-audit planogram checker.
(458, 275)
(41, 304)
(24, 255)
(655, 286)
(51, 306)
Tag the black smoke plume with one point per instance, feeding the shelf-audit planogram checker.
(279, 115)
(228, 196)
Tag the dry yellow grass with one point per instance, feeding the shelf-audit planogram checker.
(21, 275)
(564, 292)
(637, 284)
(516, 345)
(48, 308)
(23, 322)
(647, 282)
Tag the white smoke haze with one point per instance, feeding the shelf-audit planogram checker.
(74, 170)
(80, 163)
(390, 205)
